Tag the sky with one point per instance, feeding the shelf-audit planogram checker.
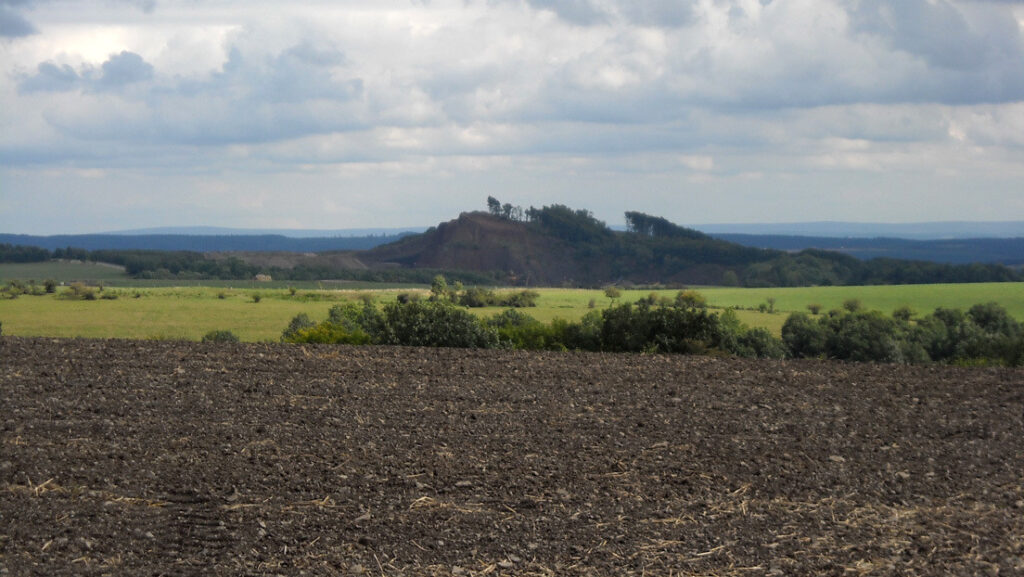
(122, 114)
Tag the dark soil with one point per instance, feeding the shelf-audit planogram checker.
(158, 458)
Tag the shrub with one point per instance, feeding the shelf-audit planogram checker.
(520, 299)
(804, 337)
(658, 329)
(220, 337)
(760, 343)
(50, 285)
(298, 323)
(433, 324)
(408, 297)
(865, 336)
(582, 336)
(329, 333)
(256, 298)
(521, 331)
(476, 297)
(353, 317)
(815, 308)
(691, 299)
(903, 314)
(79, 291)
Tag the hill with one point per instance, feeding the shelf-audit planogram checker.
(556, 245)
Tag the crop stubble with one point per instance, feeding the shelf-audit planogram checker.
(166, 458)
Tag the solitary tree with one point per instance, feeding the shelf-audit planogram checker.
(612, 292)
(438, 288)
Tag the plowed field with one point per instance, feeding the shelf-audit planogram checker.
(161, 458)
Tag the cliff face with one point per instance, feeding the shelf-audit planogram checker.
(481, 242)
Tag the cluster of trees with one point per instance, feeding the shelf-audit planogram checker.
(15, 288)
(476, 297)
(985, 334)
(679, 326)
(19, 253)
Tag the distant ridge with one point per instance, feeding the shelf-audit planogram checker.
(285, 232)
(1007, 251)
(203, 243)
(837, 229)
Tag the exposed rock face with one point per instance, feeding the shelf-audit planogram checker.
(481, 242)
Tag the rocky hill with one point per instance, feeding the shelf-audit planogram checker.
(556, 246)
(481, 242)
(560, 246)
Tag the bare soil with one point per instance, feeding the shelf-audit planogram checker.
(165, 458)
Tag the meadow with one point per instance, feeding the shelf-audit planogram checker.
(190, 312)
(169, 309)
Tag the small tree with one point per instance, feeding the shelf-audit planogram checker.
(771, 304)
(815, 308)
(438, 288)
(612, 293)
(852, 305)
(50, 285)
(299, 322)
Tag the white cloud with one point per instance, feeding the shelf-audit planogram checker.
(658, 92)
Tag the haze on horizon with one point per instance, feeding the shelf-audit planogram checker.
(126, 114)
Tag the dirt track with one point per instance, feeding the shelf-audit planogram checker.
(156, 458)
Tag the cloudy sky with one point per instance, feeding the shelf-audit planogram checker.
(118, 114)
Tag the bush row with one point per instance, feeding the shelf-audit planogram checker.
(643, 327)
(985, 334)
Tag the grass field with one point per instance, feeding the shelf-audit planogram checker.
(191, 312)
(190, 309)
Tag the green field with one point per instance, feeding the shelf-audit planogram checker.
(168, 313)
(191, 312)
